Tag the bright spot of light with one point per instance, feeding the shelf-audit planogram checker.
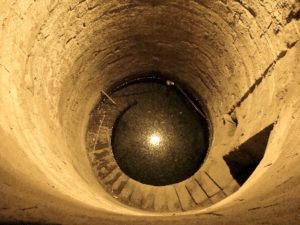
(154, 139)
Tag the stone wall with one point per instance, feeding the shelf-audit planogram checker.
(56, 56)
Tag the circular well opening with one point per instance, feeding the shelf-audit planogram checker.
(159, 135)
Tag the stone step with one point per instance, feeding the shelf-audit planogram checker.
(101, 154)
(148, 198)
(137, 196)
(98, 139)
(160, 201)
(220, 173)
(206, 183)
(185, 199)
(232, 187)
(127, 191)
(112, 177)
(172, 199)
(119, 184)
(197, 193)
(104, 171)
(218, 197)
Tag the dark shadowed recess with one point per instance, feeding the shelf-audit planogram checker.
(245, 158)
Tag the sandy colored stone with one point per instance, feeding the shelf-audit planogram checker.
(241, 56)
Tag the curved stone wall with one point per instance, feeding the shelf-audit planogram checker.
(242, 58)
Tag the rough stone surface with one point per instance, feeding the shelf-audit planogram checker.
(241, 56)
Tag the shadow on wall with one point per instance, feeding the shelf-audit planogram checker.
(246, 157)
